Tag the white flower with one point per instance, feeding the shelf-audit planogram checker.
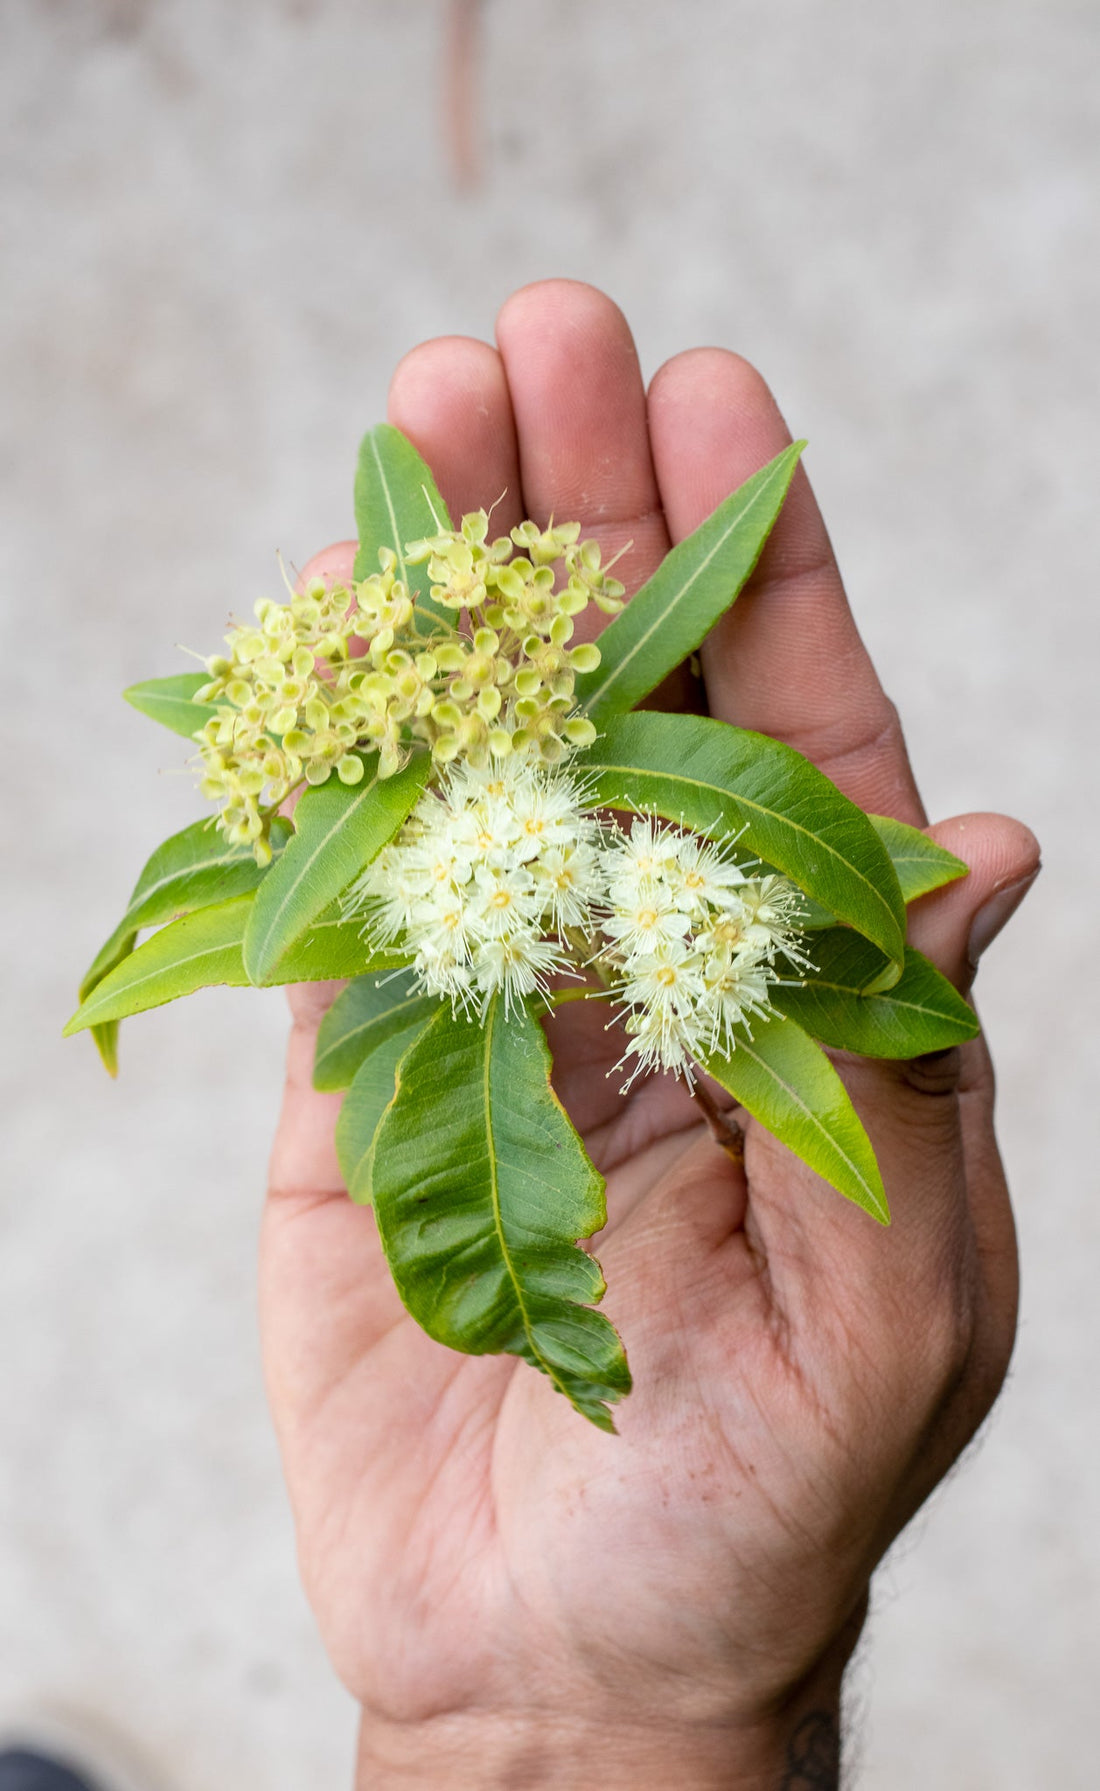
(484, 877)
(691, 943)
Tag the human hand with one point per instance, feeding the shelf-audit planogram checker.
(513, 1596)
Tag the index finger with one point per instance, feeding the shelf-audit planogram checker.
(787, 659)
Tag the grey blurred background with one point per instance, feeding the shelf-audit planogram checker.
(221, 224)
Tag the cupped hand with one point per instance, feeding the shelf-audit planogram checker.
(513, 1596)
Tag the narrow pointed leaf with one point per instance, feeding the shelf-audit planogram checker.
(372, 1090)
(192, 953)
(338, 830)
(920, 864)
(481, 1187)
(397, 501)
(921, 1012)
(196, 868)
(206, 948)
(331, 949)
(111, 952)
(105, 1040)
(676, 609)
(723, 781)
(169, 701)
(360, 1020)
(786, 1082)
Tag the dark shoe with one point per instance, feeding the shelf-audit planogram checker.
(22, 1770)
(54, 1751)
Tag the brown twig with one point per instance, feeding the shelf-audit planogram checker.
(724, 1129)
(463, 32)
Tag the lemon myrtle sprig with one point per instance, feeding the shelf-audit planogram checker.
(460, 760)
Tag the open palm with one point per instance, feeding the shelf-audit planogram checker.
(498, 1582)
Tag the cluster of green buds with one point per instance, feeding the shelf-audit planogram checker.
(337, 671)
(508, 685)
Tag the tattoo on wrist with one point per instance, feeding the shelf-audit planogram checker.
(813, 1754)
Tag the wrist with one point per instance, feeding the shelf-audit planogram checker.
(794, 1746)
(468, 1752)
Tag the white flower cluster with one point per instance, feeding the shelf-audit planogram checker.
(486, 880)
(692, 942)
(504, 876)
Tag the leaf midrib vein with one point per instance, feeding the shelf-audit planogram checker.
(887, 995)
(193, 870)
(128, 986)
(294, 885)
(398, 544)
(643, 639)
(697, 783)
(494, 1187)
(769, 1070)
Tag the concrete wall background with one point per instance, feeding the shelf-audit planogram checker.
(220, 225)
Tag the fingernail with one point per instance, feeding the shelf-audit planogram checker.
(996, 913)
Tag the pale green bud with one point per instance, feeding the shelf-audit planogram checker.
(350, 769)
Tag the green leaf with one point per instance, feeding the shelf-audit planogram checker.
(105, 1039)
(723, 781)
(206, 948)
(360, 1020)
(480, 1187)
(331, 949)
(338, 829)
(189, 954)
(676, 609)
(920, 864)
(111, 952)
(198, 868)
(195, 868)
(372, 1090)
(397, 501)
(169, 701)
(786, 1082)
(921, 1012)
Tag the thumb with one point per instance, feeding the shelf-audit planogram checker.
(953, 926)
